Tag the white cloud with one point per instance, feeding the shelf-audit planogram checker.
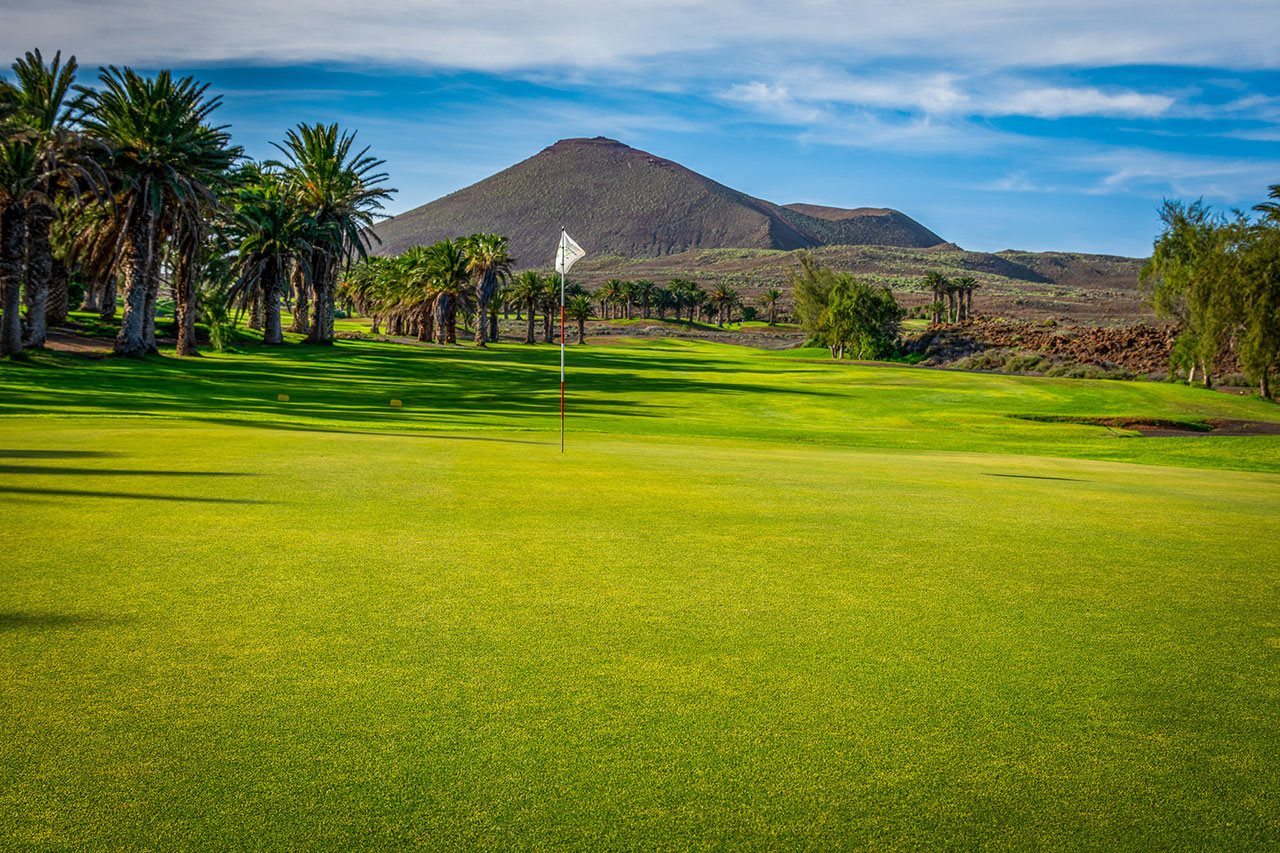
(1060, 101)
(515, 35)
(774, 101)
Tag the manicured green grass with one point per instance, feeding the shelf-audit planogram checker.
(763, 601)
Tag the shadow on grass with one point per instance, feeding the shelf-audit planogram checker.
(1035, 477)
(85, 493)
(7, 453)
(322, 429)
(57, 621)
(116, 472)
(354, 383)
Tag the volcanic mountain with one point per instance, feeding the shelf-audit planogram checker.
(617, 200)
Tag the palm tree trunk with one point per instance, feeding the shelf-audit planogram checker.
(322, 292)
(109, 290)
(482, 315)
(582, 330)
(440, 308)
(272, 285)
(426, 328)
(493, 321)
(131, 341)
(92, 293)
(255, 309)
(529, 336)
(548, 333)
(301, 305)
(39, 271)
(149, 315)
(184, 292)
(13, 228)
(59, 300)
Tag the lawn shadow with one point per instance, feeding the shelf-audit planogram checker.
(58, 621)
(12, 453)
(116, 472)
(85, 493)
(1035, 477)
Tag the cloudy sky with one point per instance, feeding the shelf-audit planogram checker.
(1037, 124)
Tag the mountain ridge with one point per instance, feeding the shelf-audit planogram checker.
(619, 200)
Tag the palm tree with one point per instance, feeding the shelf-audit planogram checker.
(274, 236)
(167, 163)
(938, 285)
(19, 179)
(964, 286)
(339, 188)
(1270, 209)
(445, 267)
(526, 290)
(45, 110)
(580, 310)
(643, 290)
(769, 300)
(549, 302)
(609, 294)
(724, 299)
(489, 263)
(663, 300)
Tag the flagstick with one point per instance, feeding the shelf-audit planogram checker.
(562, 234)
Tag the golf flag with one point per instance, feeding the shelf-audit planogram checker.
(568, 253)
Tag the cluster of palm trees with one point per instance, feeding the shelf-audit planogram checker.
(129, 186)
(622, 299)
(952, 297)
(423, 290)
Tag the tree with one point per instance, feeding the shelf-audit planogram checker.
(489, 263)
(610, 294)
(168, 165)
(964, 287)
(526, 289)
(340, 188)
(843, 314)
(939, 286)
(769, 301)
(45, 108)
(1258, 344)
(274, 236)
(445, 266)
(861, 318)
(580, 310)
(644, 290)
(1184, 280)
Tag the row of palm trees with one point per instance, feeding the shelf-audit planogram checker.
(622, 299)
(128, 185)
(423, 291)
(952, 297)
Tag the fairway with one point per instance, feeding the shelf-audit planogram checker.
(763, 601)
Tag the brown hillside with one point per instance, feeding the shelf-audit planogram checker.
(865, 226)
(617, 200)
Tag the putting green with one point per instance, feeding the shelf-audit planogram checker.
(762, 602)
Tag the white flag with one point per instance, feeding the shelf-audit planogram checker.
(568, 253)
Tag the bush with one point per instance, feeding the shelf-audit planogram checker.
(992, 359)
(1088, 371)
(1028, 362)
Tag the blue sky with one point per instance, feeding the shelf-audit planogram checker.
(999, 124)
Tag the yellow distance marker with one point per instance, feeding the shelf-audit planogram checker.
(283, 398)
(395, 404)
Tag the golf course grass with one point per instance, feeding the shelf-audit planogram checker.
(763, 601)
